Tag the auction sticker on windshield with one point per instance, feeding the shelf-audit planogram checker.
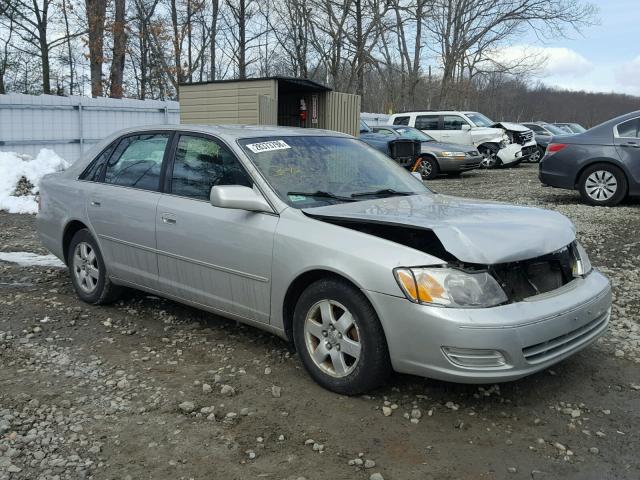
(268, 146)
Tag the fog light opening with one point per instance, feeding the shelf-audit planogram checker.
(475, 358)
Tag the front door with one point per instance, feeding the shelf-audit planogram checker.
(216, 257)
(122, 207)
(452, 131)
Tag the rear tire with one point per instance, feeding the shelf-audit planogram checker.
(88, 271)
(603, 184)
(339, 338)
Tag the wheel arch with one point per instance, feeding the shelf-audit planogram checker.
(70, 229)
(299, 284)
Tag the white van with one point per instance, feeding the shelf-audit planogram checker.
(499, 143)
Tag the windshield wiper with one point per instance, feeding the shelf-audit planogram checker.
(384, 191)
(322, 194)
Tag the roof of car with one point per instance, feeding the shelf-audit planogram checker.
(236, 131)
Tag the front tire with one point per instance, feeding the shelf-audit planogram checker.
(339, 338)
(489, 156)
(537, 155)
(88, 271)
(429, 168)
(603, 184)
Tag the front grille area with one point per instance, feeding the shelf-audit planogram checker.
(544, 351)
(523, 137)
(527, 278)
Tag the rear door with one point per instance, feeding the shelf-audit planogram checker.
(216, 257)
(122, 207)
(430, 124)
(627, 140)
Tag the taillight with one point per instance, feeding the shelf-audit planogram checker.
(555, 148)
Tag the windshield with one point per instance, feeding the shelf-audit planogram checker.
(312, 171)
(555, 130)
(414, 134)
(479, 120)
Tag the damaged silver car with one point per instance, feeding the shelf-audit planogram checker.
(326, 242)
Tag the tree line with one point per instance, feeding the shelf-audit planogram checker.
(397, 54)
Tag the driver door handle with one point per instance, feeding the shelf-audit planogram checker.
(168, 219)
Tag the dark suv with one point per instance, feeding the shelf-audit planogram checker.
(603, 163)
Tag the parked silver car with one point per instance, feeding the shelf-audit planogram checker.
(325, 241)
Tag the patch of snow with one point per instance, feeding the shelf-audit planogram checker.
(14, 166)
(28, 259)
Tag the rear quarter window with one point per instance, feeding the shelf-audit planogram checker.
(401, 121)
(94, 170)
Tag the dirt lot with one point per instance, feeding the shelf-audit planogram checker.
(150, 389)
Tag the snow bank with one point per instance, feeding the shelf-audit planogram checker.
(14, 166)
(28, 259)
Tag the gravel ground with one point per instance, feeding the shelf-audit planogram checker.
(148, 388)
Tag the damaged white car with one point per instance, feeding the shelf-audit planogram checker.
(323, 240)
(501, 144)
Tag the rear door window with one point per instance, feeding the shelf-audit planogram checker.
(94, 171)
(137, 162)
(629, 129)
(428, 122)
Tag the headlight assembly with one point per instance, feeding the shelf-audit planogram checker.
(581, 264)
(448, 287)
(452, 154)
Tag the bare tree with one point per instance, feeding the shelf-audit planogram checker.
(96, 14)
(459, 26)
(119, 49)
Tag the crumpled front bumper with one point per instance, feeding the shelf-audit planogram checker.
(510, 154)
(530, 335)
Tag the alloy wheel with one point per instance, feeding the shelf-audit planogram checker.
(332, 338)
(535, 156)
(601, 185)
(425, 168)
(85, 267)
(489, 159)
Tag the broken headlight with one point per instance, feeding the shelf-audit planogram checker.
(581, 263)
(448, 287)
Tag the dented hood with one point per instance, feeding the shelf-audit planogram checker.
(473, 231)
(514, 127)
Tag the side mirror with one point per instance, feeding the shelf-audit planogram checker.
(466, 126)
(238, 197)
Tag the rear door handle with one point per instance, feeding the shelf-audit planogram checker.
(95, 203)
(168, 219)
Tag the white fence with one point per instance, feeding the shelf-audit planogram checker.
(71, 125)
(373, 119)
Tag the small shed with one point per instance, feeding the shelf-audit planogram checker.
(269, 101)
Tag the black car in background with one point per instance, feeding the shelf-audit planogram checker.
(405, 151)
(543, 132)
(603, 163)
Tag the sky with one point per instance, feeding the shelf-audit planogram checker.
(604, 58)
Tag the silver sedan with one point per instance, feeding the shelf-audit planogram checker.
(324, 241)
